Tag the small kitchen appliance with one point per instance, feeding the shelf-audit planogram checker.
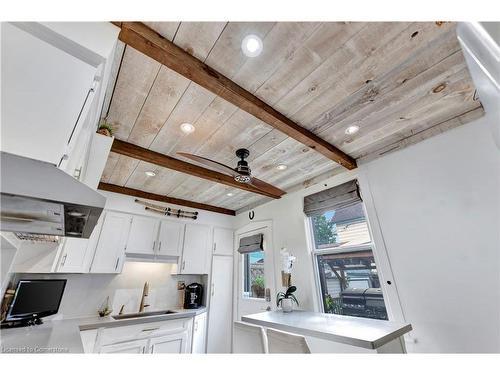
(193, 296)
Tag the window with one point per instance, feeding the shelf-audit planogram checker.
(346, 270)
(350, 285)
(344, 227)
(253, 275)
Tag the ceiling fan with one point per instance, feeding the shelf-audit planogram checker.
(242, 173)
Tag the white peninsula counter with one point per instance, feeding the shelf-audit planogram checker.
(381, 336)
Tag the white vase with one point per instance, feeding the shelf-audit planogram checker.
(287, 305)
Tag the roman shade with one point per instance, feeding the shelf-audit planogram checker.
(334, 198)
(251, 243)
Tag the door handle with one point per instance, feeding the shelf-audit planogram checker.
(154, 245)
(64, 260)
(117, 261)
(215, 246)
(213, 289)
(159, 246)
(183, 264)
(150, 329)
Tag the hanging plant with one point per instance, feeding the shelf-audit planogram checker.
(105, 129)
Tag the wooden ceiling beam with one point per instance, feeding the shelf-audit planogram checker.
(153, 157)
(149, 42)
(163, 198)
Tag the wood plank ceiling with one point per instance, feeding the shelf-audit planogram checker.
(399, 82)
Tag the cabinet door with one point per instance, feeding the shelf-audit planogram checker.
(142, 237)
(223, 241)
(196, 249)
(170, 238)
(78, 252)
(110, 250)
(131, 347)
(220, 321)
(171, 343)
(199, 333)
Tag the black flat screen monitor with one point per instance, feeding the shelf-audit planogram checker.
(35, 299)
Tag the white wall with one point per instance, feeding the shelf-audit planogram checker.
(437, 204)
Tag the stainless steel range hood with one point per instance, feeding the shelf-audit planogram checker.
(38, 198)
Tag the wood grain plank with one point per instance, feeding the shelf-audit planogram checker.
(131, 91)
(163, 198)
(415, 137)
(147, 41)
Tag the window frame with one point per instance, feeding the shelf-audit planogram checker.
(244, 275)
(315, 252)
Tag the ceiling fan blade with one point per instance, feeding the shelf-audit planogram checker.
(210, 163)
(268, 188)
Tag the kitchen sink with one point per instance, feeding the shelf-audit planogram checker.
(143, 314)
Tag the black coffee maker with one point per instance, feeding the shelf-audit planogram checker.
(193, 296)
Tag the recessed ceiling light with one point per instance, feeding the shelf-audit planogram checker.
(187, 128)
(229, 194)
(150, 173)
(281, 167)
(251, 45)
(352, 129)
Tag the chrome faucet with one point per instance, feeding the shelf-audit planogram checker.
(145, 292)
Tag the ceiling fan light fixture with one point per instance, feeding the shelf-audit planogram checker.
(251, 45)
(187, 128)
(245, 179)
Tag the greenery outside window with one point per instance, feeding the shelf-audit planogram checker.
(253, 275)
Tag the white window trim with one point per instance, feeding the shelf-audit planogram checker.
(391, 297)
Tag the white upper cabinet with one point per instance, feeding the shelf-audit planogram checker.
(223, 241)
(59, 73)
(170, 238)
(77, 253)
(44, 89)
(110, 251)
(196, 249)
(142, 236)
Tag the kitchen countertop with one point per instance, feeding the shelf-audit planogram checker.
(63, 336)
(361, 332)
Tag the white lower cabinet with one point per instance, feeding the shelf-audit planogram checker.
(170, 343)
(170, 336)
(130, 347)
(199, 334)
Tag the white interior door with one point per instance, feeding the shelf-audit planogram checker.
(220, 320)
(255, 274)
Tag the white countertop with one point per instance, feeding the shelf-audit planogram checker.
(63, 336)
(361, 332)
